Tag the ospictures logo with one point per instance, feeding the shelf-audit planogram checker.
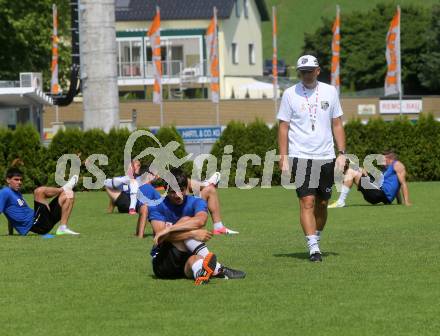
(163, 159)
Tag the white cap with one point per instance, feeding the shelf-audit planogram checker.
(307, 62)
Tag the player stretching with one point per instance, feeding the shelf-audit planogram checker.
(45, 215)
(180, 249)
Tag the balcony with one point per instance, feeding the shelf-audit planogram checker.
(173, 73)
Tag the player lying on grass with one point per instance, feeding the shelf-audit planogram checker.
(179, 245)
(45, 215)
(390, 183)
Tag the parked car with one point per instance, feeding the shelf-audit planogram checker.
(282, 68)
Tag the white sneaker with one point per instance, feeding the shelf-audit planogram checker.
(66, 231)
(224, 231)
(71, 183)
(336, 205)
(214, 179)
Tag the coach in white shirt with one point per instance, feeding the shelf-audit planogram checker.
(309, 113)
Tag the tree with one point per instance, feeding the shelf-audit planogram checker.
(431, 59)
(25, 38)
(363, 34)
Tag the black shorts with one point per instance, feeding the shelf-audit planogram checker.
(122, 202)
(169, 262)
(371, 192)
(314, 177)
(46, 218)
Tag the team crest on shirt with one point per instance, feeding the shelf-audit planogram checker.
(303, 107)
(20, 202)
(324, 104)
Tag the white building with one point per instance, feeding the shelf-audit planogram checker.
(184, 54)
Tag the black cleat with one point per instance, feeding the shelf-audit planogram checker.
(205, 273)
(316, 257)
(229, 273)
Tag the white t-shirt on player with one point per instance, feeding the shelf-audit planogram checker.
(310, 131)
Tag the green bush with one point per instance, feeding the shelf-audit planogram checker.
(26, 153)
(5, 141)
(23, 149)
(417, 144)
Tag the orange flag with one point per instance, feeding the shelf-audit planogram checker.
(212, 43)
(54, 86)
(154, 35)
(393, 78)
(274, 54)
(336, 47)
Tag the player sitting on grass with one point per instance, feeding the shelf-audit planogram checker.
(45, 215)
(392, 180)
(121, 194)
(179, 245)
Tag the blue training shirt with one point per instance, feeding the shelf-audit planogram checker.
(169, 212)
(16, 210)
(391, 184)
(147, 195)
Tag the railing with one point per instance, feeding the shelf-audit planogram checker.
(170, 69)
(9, 84)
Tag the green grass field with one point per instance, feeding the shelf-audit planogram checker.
(380, 274)
(297, 17)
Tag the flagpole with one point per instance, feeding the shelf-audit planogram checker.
(161, 114)
(399, 73)
(217, 112)
(274, 59)
(217, 105)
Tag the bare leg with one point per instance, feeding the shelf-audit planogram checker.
(320, 213)
(307, 215)
(66, 208)
(142, 219)
(113, 195)
(42, 194)
(210, 195)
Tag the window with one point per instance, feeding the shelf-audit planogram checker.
(237, 8)
(245, 8)
(234, 53)
(129, 58)
(251, 53)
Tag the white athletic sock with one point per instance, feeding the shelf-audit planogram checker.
(133, 193)
(62, 227)
(218, 225)
(199, 248)
(116, 182)
(318, 235)
(196, 247)
(196, 267)
(344, 193)
(312, 244)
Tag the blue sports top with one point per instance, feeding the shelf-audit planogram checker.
(147, 195)
(169, 212)
(16, 210)
(391, 184)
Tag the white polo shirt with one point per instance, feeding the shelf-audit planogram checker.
(310, 130)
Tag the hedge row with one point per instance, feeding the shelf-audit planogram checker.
(417, 144)
(22, 148)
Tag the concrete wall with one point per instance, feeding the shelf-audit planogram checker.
(202, 112)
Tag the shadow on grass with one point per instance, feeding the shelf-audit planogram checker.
(369, 205)
(302, 255)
